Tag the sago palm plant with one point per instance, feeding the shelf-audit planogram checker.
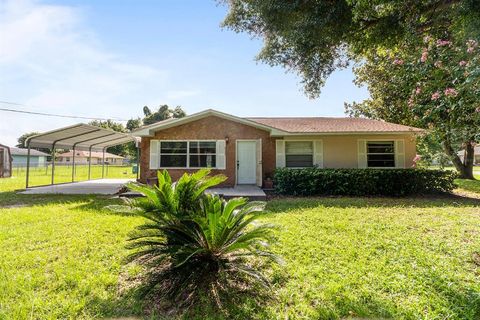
(195, 243)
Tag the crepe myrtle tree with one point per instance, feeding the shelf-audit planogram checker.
(446, 97)
(434, 85)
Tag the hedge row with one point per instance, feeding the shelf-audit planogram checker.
(362, 182)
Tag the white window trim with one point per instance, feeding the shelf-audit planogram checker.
(186, 154)
(313, 153)
(381, 140)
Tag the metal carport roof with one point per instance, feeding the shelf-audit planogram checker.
(80, 136)
(77, 137)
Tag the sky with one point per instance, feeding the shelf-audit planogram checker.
(108, 59)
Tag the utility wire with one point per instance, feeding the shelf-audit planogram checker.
(51, 114)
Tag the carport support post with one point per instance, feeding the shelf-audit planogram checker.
(89, 161)
(73, 164)
(103, 163)
(53, 163)
(138, 161)
(28, 165)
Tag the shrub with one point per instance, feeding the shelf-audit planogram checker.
(362, 182)
(196, 245)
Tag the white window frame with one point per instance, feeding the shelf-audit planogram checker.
(313, 153)
(381, 140)
(187, 154)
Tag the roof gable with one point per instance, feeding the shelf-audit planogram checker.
(169, 123)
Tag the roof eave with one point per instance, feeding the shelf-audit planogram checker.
(343, 133)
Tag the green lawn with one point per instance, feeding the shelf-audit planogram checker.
(467, 185)
(60, 257)
(43, 176)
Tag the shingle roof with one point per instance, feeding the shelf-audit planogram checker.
(331, 125)
(84, 154)
(289, 125)
(23, 152)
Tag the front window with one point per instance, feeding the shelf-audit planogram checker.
(298, 154)
(380, 154)
(188, 154)
(202, 154)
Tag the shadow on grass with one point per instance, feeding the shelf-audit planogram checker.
(238, 304)
(455, 300)
(285, 204)
(13, 199)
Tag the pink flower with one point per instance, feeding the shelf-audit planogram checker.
(478, 109)
(438, 64)
(398, 62)
(424, 55)
(450, 92)
(442, 43)
(471, 45)
(462, 63)
(435, 96)
(416, 159)
(418, 90)
(427, 39)
(410, 103)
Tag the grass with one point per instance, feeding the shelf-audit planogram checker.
(469, 186)
(403, 258)
(60, 257)
(43, 175)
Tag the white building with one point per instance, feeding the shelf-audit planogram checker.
(81, 157)
(476, 157)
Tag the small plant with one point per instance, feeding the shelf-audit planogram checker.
(194, 244)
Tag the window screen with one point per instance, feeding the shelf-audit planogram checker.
(298, 154)
(380, 154)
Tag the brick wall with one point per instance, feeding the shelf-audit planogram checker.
(214, 128)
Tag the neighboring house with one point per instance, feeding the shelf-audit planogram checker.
(37, 158)
(5, 162)
(476, 155)
(81, 157)
(247, 150)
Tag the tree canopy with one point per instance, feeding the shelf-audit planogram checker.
(21, 140)
(313, 38)
(164, 112)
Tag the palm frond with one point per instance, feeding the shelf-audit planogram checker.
(194, 243)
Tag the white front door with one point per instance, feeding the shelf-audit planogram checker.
(246, 162)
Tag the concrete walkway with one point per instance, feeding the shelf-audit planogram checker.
(248, 191)
(100, 186)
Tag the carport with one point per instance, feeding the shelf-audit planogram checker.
(78, 137)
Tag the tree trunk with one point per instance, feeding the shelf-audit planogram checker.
(465, 169)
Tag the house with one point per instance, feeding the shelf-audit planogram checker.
(81, 157)
(247, 150)
(5, 162)
(37, 158)
(476, 155)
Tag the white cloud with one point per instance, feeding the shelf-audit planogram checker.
(49, 58)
